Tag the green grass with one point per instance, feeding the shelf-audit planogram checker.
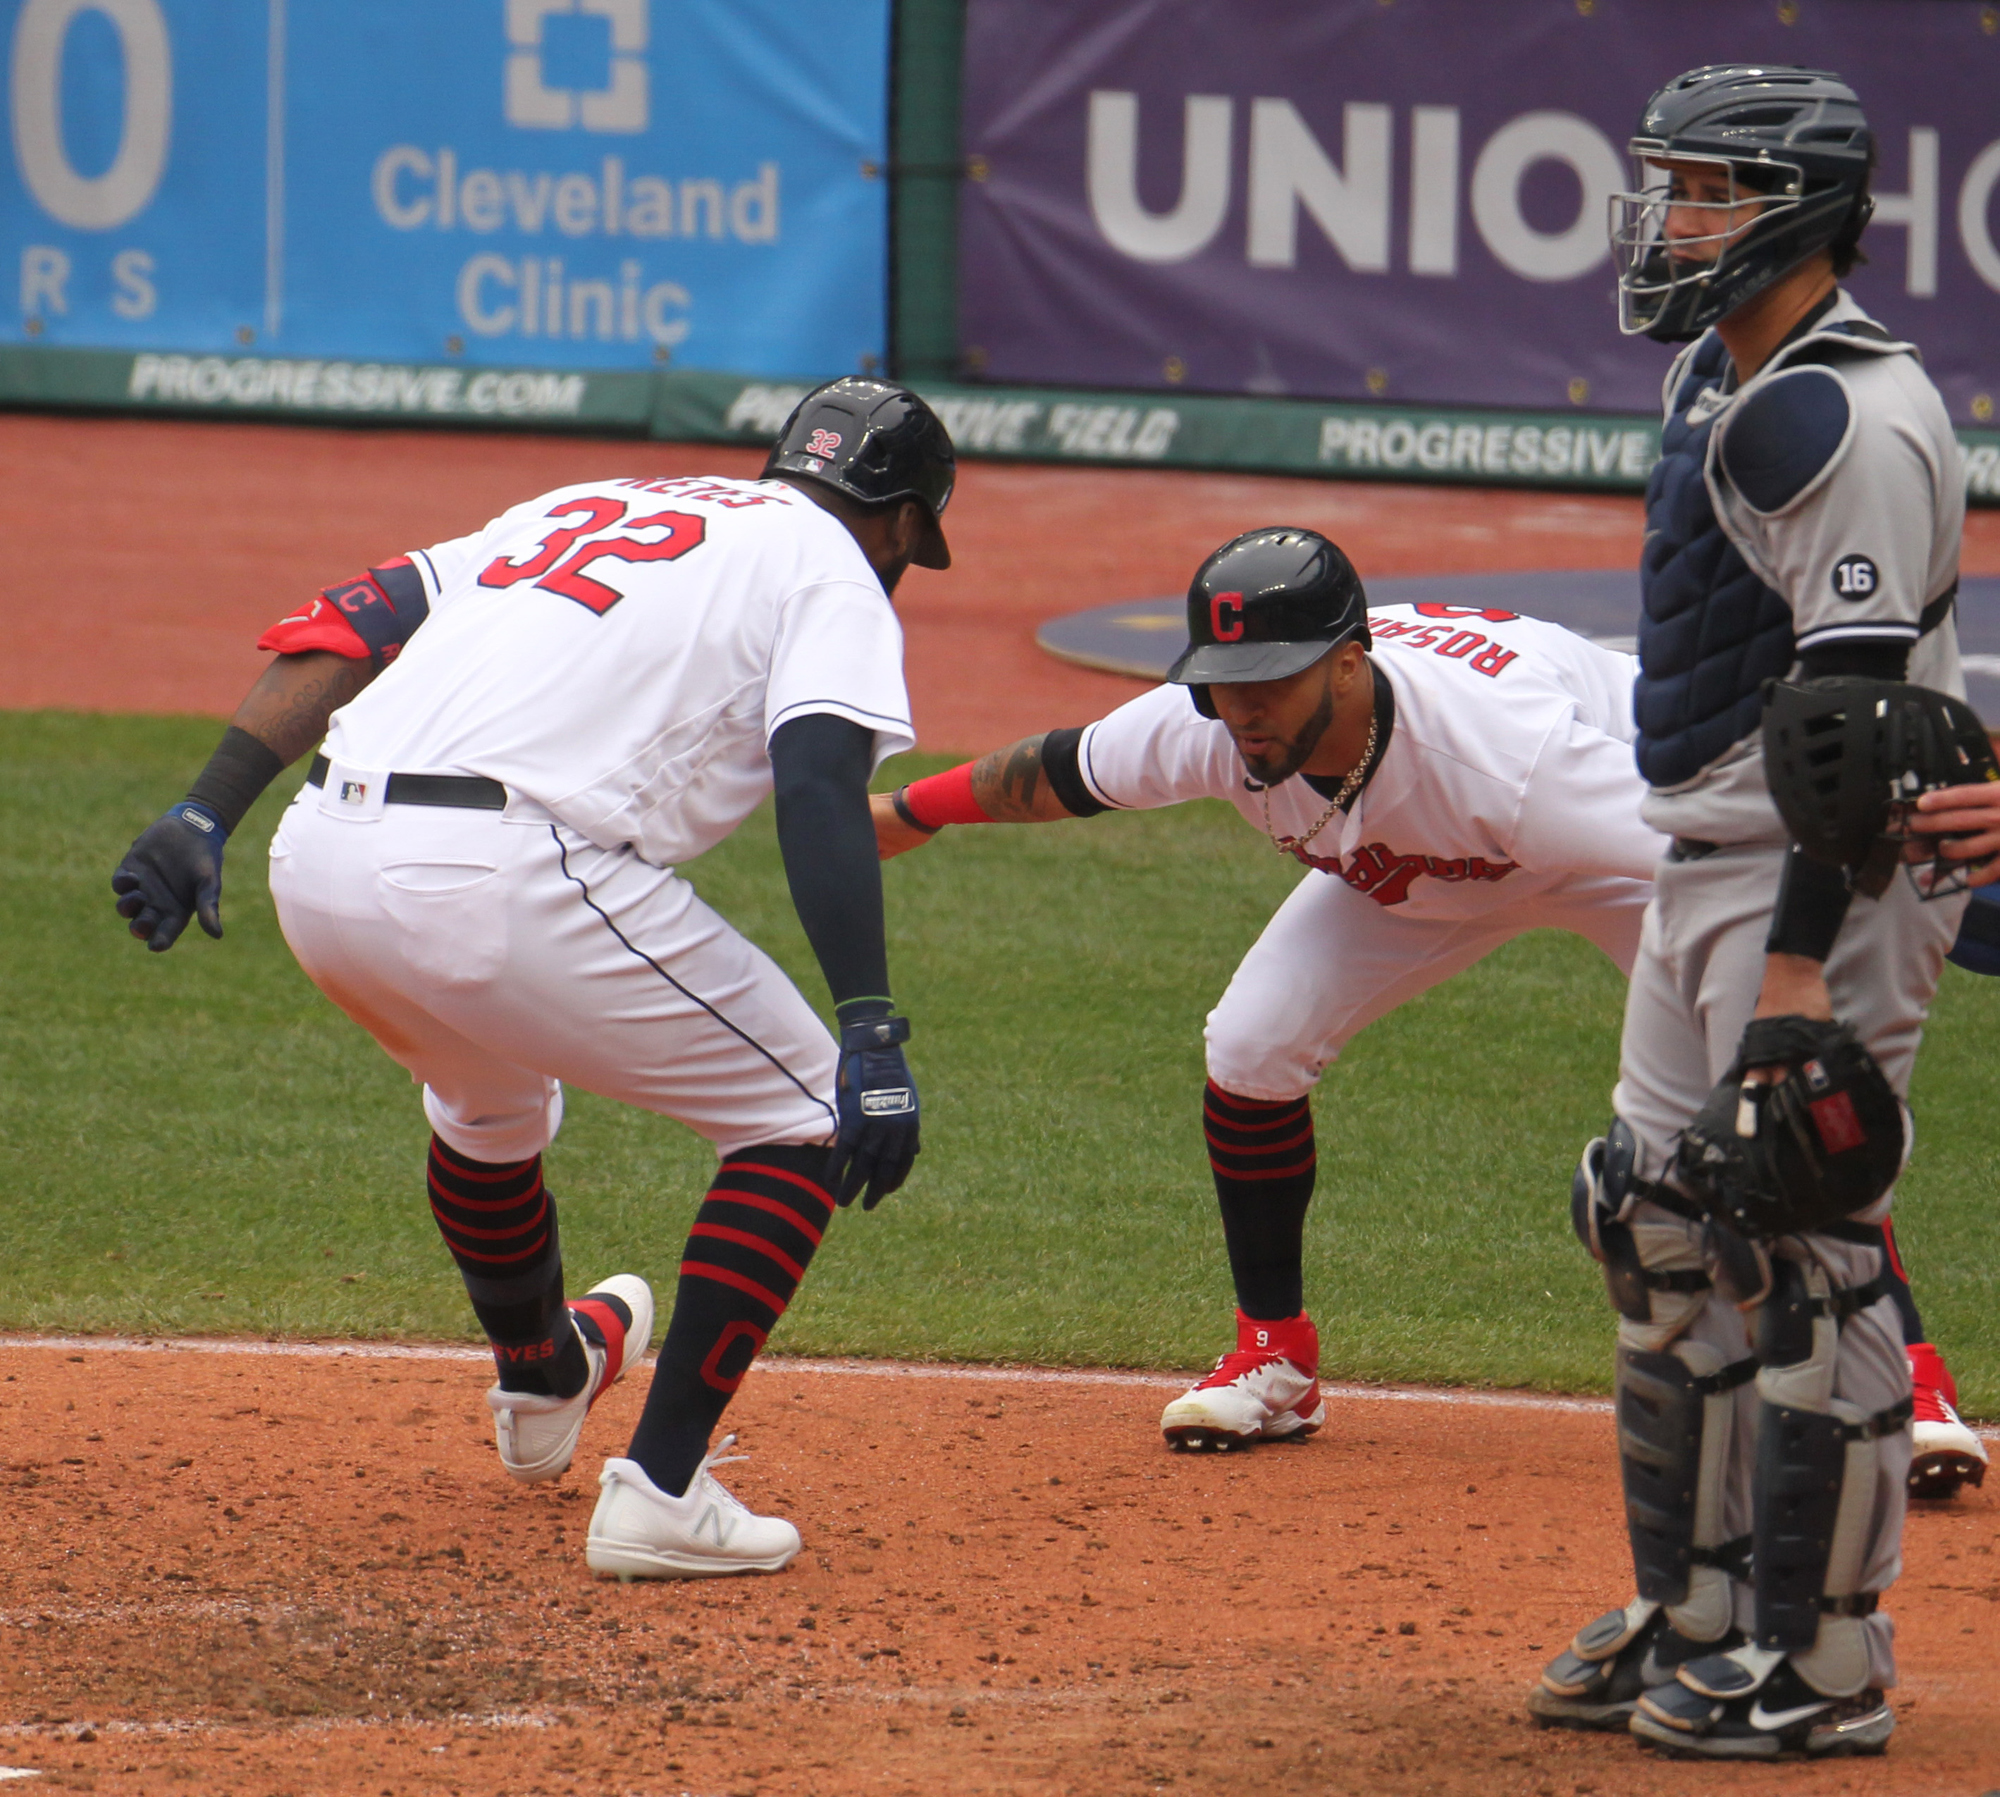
(198, 1142)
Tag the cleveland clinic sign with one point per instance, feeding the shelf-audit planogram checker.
(297, 192)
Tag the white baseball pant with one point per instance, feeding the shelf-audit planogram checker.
(497, 955)
(1332, 960)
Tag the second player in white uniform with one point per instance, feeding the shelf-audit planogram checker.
(1469, 780)
(530, 728)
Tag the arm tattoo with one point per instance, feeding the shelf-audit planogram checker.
(1009, 786)
(287, 710)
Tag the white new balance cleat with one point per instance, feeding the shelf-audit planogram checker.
(1267, 1390)
(639, 1531)
(537, 1435)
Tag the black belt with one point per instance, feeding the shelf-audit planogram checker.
(1690, 848)
(463, 792)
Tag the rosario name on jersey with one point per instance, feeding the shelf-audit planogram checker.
(620, 652)
(1509, 768)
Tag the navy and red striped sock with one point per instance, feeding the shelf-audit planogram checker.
(1898, 1282)
(499, 1221)
(1265, 1163)
(751, 1243)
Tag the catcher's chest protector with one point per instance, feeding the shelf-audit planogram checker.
(1710, 632)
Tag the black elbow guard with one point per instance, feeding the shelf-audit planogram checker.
(1063, 770)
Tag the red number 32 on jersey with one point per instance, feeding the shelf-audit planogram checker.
(559, 560)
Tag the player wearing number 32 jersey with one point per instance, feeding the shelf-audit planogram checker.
(527, 729)
(1452, 778)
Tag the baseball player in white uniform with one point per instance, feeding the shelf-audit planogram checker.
(526, 730)
(1802, 527)
(1452, 778)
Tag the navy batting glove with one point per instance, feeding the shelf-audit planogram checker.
(877, 1100)
(171, 873)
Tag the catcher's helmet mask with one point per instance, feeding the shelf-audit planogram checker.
(1847, 760)
(1266, 606)
(878, 444)
(1792, 144)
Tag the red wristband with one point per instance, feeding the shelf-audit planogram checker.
(945, 798)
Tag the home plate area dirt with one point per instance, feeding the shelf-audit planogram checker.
(252, 1573)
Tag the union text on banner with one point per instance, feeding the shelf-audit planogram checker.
(1407, 203)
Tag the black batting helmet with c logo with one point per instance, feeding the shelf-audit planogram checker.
(1266, 605)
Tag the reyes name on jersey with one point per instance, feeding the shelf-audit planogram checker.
(1509, 768)
(622, 651)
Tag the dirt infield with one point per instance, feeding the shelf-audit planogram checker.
(216, 530)
(233, 1574)
(146, 556)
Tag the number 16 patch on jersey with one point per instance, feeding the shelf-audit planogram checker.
(1855, 577)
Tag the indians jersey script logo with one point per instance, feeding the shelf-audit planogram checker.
(1386, 877)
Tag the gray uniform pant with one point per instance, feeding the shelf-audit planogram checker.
(1694, 988)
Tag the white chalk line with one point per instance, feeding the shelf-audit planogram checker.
(856, 1369)
(777, 1364)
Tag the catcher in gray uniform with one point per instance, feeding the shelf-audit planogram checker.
(1797, 652)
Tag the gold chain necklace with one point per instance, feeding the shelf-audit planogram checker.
(1286, 845)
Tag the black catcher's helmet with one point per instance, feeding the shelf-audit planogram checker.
(875, 442)
(1795, 147)
(1265, 605)
(1846, 761)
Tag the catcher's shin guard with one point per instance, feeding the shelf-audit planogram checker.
(1801, 1474)
(1815, 1503)
(1815, 1497)
(1676, 1421)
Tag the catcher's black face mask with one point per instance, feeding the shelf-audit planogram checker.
(1848, 759)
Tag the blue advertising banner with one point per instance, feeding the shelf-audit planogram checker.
(1407, 203)
(590, 184)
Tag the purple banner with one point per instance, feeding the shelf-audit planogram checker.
(1405, 200)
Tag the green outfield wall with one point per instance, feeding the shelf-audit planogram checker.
(1585, 451)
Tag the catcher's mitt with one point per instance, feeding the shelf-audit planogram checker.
(1820, 1142)
(1846, 760)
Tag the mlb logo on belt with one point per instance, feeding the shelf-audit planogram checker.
(354, 792)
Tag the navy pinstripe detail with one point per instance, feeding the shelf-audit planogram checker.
(694, 997)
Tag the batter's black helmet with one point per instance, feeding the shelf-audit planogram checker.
(875, 442)
(1265, 605)
(1795, 146)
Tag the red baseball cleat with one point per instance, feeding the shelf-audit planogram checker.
(1944, 1453)
(1267, 1390)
